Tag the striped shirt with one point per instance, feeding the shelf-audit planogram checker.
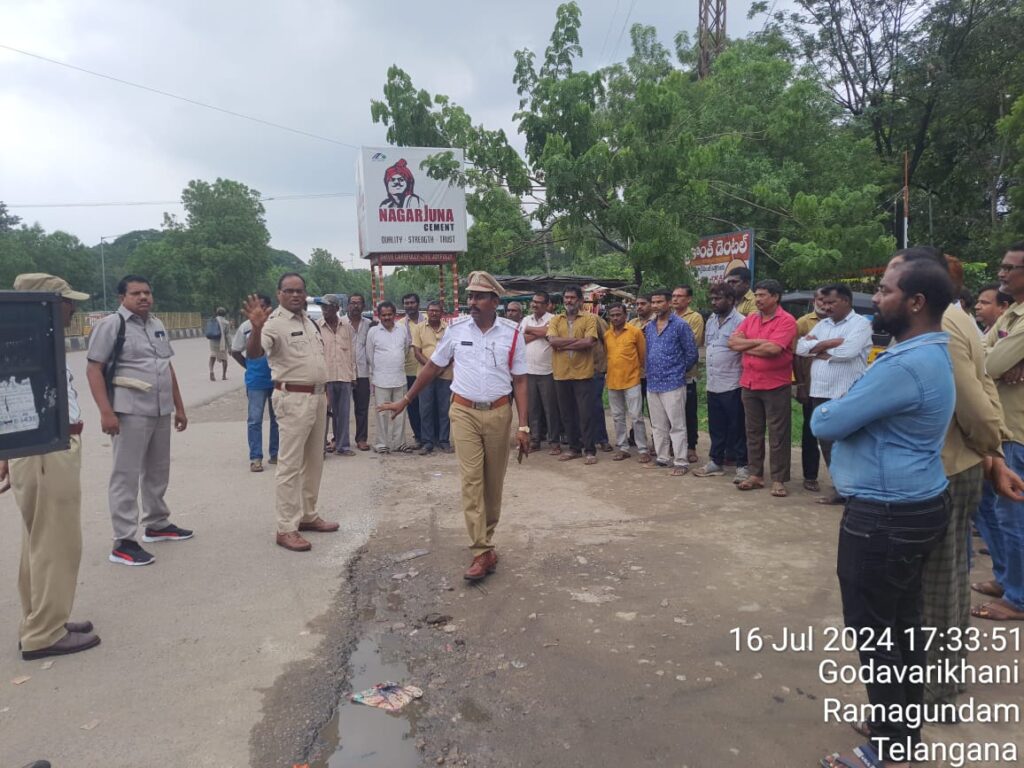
(833, 376)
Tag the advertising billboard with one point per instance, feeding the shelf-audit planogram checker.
(713, 254)
(401, 209)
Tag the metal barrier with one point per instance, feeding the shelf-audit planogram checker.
(82, 323)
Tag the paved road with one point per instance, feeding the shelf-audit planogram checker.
(190, 643)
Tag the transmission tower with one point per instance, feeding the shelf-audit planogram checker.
(710, 33)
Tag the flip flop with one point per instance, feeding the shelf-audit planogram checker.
(621, 456)
(812, 486)
(591, 460)
(988, 588)
(680, 471)
(570, 456)
(750, 484)
(779, 490)
(645, 458)
(556, 451)
(997, 611)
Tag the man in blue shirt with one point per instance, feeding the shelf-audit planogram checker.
(889, 429)
(671, 352)
(258, 389)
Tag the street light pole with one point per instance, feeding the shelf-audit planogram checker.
(103, 268)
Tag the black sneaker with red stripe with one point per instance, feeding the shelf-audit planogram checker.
(170, 533)
(128, 552)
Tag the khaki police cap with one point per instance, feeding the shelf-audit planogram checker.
(484, 282)
(39, 281)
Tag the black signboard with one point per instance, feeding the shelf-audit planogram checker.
(33, 375)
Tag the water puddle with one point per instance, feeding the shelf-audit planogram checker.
(364, 736)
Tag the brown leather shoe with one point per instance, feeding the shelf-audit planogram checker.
(482, 565)
(319, 525)
(293, 542)
(72, 642)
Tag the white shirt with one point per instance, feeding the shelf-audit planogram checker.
(538, 352)
(385, 355)
(481, 371)
(833, 377)
(74, 411)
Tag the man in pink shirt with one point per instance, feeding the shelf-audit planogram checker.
(766, 340)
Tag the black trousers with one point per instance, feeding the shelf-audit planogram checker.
(882, 551)
(809, 456)
(691, 415)
(575, 407)
(727, 425)
(824, 445)
(361, 398)
(413, 409)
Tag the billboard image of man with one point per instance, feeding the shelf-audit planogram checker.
(399, 183)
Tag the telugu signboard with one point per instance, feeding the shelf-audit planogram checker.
(401, 209)
(713, 253)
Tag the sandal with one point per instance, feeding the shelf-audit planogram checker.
(591, 460)
(988, 588)
(620, 456)
(680, 471)
(570, 456)
(812, 486)
(750, 484)
(645, 458)
(997, 611)
(556, 451)
(779, 490)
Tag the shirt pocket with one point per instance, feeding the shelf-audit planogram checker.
(298, 346)
(162, 347)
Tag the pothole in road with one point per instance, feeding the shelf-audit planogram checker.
(365, 736)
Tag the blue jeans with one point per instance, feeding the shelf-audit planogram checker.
(597, 418)
(258, 399)
(434, 401)
(1001, 524)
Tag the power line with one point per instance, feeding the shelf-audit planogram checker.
(268, 199)
(608, 31)
(632, 5)
(186, 99)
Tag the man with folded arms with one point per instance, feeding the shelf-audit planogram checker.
(295, 350)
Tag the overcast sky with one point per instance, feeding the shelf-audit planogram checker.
(314, 65)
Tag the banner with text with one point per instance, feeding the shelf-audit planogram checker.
(714, 254)
(401, 209)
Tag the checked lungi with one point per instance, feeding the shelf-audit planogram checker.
(945, 582)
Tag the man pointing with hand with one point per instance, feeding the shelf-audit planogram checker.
(490, 361)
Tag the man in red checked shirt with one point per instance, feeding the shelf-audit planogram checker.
(766, 338)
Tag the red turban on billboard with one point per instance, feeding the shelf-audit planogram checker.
(401, 168)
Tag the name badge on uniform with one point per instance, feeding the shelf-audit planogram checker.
(297, 333)
(466, 343)
(160, 334)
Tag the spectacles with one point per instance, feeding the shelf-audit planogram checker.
(1009, 267)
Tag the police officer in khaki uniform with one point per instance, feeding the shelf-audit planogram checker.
(490, 360)
(48, 491)
(295, 351)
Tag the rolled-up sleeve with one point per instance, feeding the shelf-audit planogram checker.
(102, 338)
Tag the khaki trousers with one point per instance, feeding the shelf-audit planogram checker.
(481, 446)
(300, 456)
(48, 492)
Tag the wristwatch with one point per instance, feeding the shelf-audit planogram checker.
(525, 429)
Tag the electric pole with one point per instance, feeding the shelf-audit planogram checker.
(710, 34)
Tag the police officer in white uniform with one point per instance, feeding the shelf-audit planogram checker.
(490, 360)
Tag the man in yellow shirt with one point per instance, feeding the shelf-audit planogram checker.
(436, 396)
(739, 280)
(626, 351)
(572, 337)
(681, 298)
(809, 453)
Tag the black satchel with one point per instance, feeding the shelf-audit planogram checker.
(111, 365)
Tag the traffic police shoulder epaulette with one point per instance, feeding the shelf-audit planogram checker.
(460, 319)
(508, 323)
